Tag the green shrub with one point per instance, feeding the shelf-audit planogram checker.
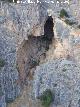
(46, 98)
(69, 22)
(63, 13)
(2, 63)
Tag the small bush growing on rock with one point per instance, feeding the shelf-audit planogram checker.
(46, 98)
(63, 13)
(2, 63)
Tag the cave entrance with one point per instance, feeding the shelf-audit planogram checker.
(48, 28)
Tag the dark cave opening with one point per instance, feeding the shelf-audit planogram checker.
(48, 29)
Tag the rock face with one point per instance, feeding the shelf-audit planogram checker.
(9, 77)
(61, 72)
(67, 42)
(33, 50)
(17, 23)
(14, 25)
(2, 101)
(62, 77)
(21, 19)
(25, 20)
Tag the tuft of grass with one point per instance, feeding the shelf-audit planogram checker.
(63, 13)
(2, 62)
(47, 98)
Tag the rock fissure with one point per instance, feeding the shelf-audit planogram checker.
(34, 50)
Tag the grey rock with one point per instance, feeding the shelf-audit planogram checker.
(62, 77)
(17, 22)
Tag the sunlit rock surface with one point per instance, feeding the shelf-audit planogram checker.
(17, 22)
(62, 77)
(9, 78)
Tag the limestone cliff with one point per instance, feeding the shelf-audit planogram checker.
(22, 43)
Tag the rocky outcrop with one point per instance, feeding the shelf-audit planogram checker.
(66, 43)
(2, 101)
(9, 78)
(25, 20)
(62, 77)
(20, 18)
(17, 23)
(60, 72)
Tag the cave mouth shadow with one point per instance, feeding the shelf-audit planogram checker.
(48, 32)
(48, 28)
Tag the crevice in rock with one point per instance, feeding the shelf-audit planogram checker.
(31, 53)
(33, 50)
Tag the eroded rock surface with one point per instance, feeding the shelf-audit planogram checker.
(9, 78)
(17, 22)
(62, 77)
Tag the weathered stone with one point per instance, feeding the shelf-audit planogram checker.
(17, 22)
(62, 77)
